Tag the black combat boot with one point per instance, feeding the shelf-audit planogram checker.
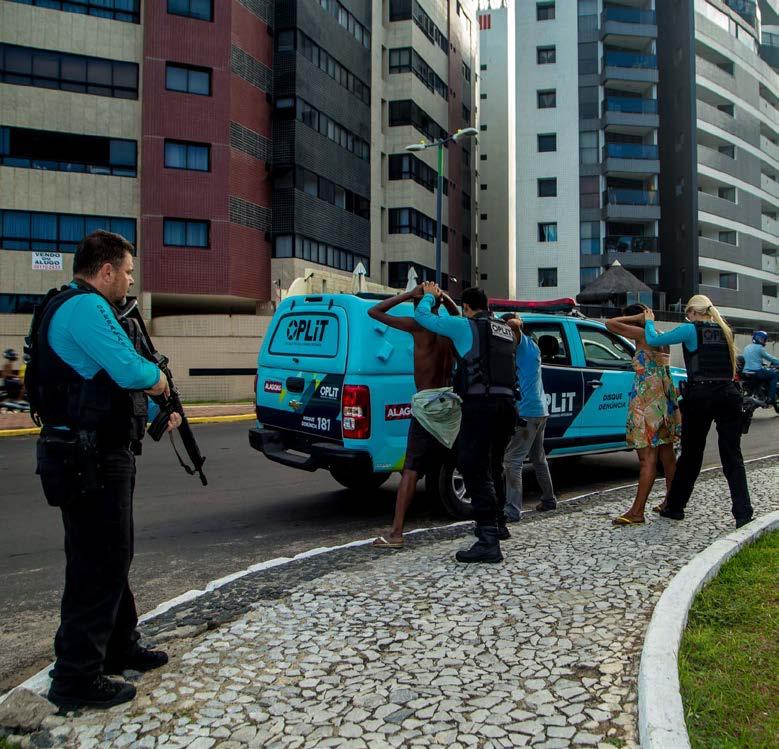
(138, 659)
(486, 549)
(100, 692)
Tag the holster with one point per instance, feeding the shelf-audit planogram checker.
(68, 464)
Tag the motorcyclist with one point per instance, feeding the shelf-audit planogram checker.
(11, 380)
(754, 356)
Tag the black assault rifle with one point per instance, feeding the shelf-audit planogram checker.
(136, 329)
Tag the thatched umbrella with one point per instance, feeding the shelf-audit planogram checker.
(612, 286)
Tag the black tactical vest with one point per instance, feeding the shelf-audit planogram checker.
(489, 367)
(711, 360)
(63, 398)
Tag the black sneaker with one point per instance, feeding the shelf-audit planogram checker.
(672, 514)
(138, 659)
(541, 507)
(101, 692)
(743, 521)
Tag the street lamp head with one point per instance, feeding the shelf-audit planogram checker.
(467, 132)
(417, 146)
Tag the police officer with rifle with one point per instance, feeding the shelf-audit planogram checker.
(709, 395)
(486, 381)
(88, 389)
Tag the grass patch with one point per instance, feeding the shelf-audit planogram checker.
(729, 658)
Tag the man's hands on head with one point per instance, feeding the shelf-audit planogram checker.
(429, 287)
(649, 315)
(417, 292)
(161, 388)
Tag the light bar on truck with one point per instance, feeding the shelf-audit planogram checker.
(565, 304)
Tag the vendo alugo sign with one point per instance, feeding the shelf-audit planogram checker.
(47, 261)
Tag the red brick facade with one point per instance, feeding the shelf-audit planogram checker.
(237, 263)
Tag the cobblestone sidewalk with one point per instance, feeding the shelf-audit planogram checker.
(380, 649)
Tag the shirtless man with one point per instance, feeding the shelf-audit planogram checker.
(433, 362)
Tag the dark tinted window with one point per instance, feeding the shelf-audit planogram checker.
(189, 80)
(117, 10)
(203, 10)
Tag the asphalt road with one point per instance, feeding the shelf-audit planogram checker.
(252, 510)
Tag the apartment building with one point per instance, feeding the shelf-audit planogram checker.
(720, 113)
(70, 128)
(425, 79)
(675, 148)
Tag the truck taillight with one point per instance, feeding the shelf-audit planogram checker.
(356, 412)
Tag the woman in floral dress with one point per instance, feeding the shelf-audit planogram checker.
(654, 421)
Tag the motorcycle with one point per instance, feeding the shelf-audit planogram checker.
(9, 398)
(754, 393)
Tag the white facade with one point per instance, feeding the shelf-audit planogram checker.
(496, 251)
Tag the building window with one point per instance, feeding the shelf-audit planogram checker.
(466, 73)
(408, 60)
(288, 245)
(727, 193)
(405, 10)
(589, 238)
(178, 232)
(56, 232)
(588, 102)
(412, 221)
(117, 10)
(729, 237)
(728, 281)
(483, 128)
(589, 192)
(348, 21)
(547, 187)
(588, 147)
(319, 187)
(483, 276)
(546, 55)
(202, 10)
(325, 126)
(309, 49)
(547, 142)
(408, 166)
(466, 114)
(547, 99)
(728, 109)
(544, 11)
(25, 66)
(407, 112)
(482, 157)
(482, 216)
(729, 151)
(547, 232)
(182, 155)
(482, 96)
(482, 67)
(483, 246)
(547, 277)
(483, 186)
(187, 79)
(66, 152)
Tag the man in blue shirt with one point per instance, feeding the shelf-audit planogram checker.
(486, 381)
(754, 356)
(88, 387)
(528, 439)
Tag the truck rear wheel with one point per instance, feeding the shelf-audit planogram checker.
(447, 486)
(358, 480)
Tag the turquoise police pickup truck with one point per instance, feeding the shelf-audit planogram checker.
(333, 389)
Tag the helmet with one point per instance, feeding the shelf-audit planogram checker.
(10, 354)
(760, 336)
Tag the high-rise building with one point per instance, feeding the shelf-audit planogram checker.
(425, 78)
(655, 145)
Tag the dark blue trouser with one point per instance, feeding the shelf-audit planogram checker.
(771, 376)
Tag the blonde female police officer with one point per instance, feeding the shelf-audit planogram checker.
(710, 395)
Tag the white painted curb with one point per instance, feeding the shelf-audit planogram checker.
(661, 721)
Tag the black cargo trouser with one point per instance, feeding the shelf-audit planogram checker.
(701, 405)
(485, 431)
(98, 616)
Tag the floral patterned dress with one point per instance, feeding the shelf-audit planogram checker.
(653, 411)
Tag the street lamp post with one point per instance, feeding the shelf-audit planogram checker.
(467, 132)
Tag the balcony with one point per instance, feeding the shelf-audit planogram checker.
(629, 66)
(769, 147)
(714, 73)
(628, 22)
(770, 264)
(619, 203)
(719, 207)
(771, 186)
(771, 304)
(632, 252)
(713, 116)
(637, 114)
(770, 111)
(770, 225)
(631, 158)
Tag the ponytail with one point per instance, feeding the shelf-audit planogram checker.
(703, 306)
